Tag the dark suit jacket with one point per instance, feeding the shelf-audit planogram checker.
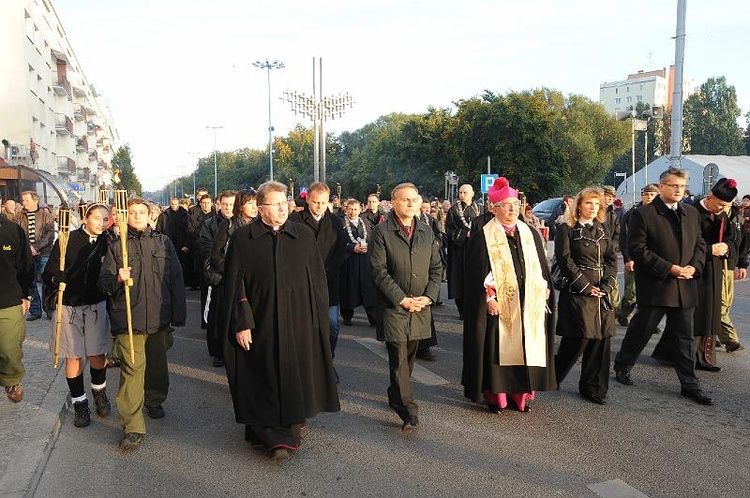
(329, 235)
(659, 238)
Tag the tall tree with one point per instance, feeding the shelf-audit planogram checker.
(123, 160)
(711, 120)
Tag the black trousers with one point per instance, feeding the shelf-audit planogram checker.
(679, 326)
(400, 364)
(594, 365)
(348, 313)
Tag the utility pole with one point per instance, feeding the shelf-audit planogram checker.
(268, 66)
(216, 171)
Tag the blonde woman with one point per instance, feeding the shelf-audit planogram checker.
(586, 256)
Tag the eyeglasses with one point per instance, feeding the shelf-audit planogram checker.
(507, 205)
(277, 205)
(676, 186)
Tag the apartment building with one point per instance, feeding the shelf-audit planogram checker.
(654, 88)
(51, 117)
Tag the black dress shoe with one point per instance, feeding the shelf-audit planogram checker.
(708, 368)
(595, 398)
(31, 318)
(734, 346)
(155, 412)
(426, 354)
(411, 424)
(698, 396)
(347, 321)
(623, 320)
(623, 377)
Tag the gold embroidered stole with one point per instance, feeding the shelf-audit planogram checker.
(517, 333)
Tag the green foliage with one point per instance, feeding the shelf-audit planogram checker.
(545, 143)
(710, 120)
(123, 161)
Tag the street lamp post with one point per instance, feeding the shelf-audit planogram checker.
(216, 171)
(268, 66)
(318, 109)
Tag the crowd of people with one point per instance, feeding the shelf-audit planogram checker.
(279, 276)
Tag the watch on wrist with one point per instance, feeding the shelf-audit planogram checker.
(29, 298)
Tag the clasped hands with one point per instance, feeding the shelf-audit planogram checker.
(415, 304)
(682, 272)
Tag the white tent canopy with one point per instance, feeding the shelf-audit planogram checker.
(737, 167)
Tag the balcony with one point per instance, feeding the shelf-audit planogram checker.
(83, 175)
(90, 128)
(60, 84)
(79, 113)
(93, 155)
(82, 144)
(78, 91)
(65, 165)
(63, 124)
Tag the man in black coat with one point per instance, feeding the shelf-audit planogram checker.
(174, 224)
(457, 230)
(196, 216)
(278, 357)
(210, 228)
(666, 244)
(716, 231)
(329, 236)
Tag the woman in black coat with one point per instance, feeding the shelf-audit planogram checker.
(587, 260)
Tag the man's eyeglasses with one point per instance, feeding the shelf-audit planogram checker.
(676, 186)
(277, 205)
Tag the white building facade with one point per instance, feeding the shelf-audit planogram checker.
(654, 88)
(50, 114)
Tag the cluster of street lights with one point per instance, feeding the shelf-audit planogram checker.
(315, 107)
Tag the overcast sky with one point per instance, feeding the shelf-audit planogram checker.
(170, 67)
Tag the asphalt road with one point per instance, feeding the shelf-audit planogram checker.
(647, 441)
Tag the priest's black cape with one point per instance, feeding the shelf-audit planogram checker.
(287, 375)
(481, 370)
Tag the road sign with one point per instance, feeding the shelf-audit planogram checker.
(487, 181)
(303, 190)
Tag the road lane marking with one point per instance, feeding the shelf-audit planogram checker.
(419, 374)
(615, 488)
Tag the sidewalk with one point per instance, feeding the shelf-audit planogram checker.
(28, 429)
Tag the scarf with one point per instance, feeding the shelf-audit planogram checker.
(526, 335)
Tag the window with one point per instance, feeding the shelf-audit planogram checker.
(629, 99)
(628, 89)
(616, 90)
(639, 98)
(618, 100)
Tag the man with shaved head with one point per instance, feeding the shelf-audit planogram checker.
(457, 230)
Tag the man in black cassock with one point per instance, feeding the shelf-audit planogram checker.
(278, 356)
(457, 230)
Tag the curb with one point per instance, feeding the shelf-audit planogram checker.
(30, 457)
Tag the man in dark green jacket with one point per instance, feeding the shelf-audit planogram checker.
(157, 301)
(406, 272)
(17, 272)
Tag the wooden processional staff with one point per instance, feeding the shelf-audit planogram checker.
(121, 206)
(63, 224)
(103, 196)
